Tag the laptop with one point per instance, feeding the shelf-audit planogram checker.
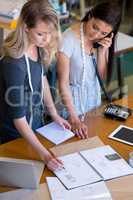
(20, 173)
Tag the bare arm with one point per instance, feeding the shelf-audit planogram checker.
(103, 51)
(51, 107)
(63, 76)
(48, 99)
(102, 60)
(26, 132)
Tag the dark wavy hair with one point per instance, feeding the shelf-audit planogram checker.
(109, 12)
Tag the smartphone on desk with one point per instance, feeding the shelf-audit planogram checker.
(96, 44)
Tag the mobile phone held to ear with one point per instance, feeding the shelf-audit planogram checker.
(96, 44)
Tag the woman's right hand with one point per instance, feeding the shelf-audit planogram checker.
(78, 127)
(52, 162)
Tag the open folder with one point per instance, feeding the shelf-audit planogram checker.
(90, 166)
(20, 172)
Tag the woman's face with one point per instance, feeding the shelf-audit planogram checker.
(96, 29)
(40, 36)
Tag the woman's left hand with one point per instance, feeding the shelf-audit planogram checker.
(106, 42)
(62, 122)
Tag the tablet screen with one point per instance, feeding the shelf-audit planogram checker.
(123, 134)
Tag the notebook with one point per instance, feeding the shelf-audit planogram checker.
(90, 166)
(55, 133)
(20, 172)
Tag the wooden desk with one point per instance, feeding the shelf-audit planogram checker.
(98, 125)
(102, 127)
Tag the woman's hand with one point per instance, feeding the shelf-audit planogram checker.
(105, 42)
(52, 162)
(61, 121)
(78, 127)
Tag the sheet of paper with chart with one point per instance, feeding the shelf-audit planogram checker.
(107, 162)
(96, 191)
(77, 172)
(55, 133)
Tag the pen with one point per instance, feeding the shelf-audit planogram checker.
(63, 167)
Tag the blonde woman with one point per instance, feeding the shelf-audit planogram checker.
(23, 85)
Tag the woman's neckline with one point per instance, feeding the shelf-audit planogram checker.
(32, 54)
(31, 59)
(77, 36)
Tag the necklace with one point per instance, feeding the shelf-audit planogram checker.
(82, 116)
(83, 72)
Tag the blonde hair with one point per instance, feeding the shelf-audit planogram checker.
(17, 42)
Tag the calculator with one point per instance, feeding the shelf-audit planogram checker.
(118, 112)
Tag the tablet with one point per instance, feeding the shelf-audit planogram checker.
(20, 172)
(123, 134)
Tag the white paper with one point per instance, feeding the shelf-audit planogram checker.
(55, 133)
(77, 172)
(96, 191)
(108, 169)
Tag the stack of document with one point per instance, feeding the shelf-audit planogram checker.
(90, 166)
(96, 191)
(55, 133)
